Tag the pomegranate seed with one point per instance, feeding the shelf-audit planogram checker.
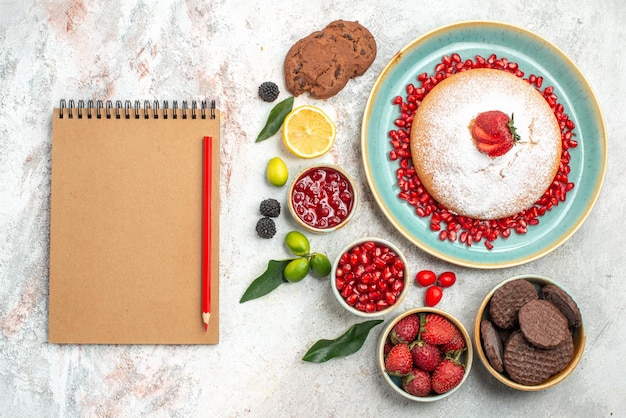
(352, 299)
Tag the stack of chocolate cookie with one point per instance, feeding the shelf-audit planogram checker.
(529, 333)
(323, 62)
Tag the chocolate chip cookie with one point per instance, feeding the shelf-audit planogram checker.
(323, 62)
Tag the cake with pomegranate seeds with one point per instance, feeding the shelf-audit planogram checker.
(485, 144)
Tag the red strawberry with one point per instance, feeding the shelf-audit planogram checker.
(490, 127)
(494, 132)
(425, 356)
(417, 383)
(399, 361)
(457, 343)
(436, 329)
(387, 347)
(447, 375)
(486, 148)
(501, 149)
(405, 330)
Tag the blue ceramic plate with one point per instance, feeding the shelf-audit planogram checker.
(534, 55)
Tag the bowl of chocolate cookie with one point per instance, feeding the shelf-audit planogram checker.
(529, 332)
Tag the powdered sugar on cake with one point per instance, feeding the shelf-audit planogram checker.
(467, 181)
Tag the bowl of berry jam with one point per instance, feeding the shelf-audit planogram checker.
(323, 198)
(370, 277)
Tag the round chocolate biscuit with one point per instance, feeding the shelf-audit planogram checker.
(564, 302)
(492, 344)
(504, 333)
(543, 324)
(508, 299)
(530, 365)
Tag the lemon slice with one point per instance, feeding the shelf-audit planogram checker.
(308, 132)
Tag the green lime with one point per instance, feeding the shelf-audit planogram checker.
(297, 243)
(296, 270)
(277, 172)
(320, 265)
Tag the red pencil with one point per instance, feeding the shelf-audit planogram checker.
(207, 167)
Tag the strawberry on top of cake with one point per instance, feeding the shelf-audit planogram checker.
(485, 144)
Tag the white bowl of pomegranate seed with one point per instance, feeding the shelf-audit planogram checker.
(424, 354)
(529, 332)
(370, 277)
(323, 198)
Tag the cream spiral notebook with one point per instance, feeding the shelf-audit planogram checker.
(126, 223)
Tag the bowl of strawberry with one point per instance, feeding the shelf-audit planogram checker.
(370, 277)
(425, 354)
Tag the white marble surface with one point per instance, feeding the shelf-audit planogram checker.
(224, 50)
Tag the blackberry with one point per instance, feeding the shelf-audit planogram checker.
(266, 228)
(268, 91)
(270, 207)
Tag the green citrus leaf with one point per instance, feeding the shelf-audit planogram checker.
(266, 282)
(348, 343)
(275, 119)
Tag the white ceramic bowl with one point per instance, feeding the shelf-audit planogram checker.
(371, 265)
(395, 383)
(578, 335)
(320, 199)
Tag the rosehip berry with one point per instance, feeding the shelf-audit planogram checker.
(447, 279)
(433, 295)
(425, 278)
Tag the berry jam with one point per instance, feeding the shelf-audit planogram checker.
(322, 197)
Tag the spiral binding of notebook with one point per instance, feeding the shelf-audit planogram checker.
(128, 109)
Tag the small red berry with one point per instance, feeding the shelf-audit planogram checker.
(446, 279)
(425, 278)
(433, 295)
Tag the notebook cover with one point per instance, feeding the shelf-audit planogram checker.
(126, 230)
